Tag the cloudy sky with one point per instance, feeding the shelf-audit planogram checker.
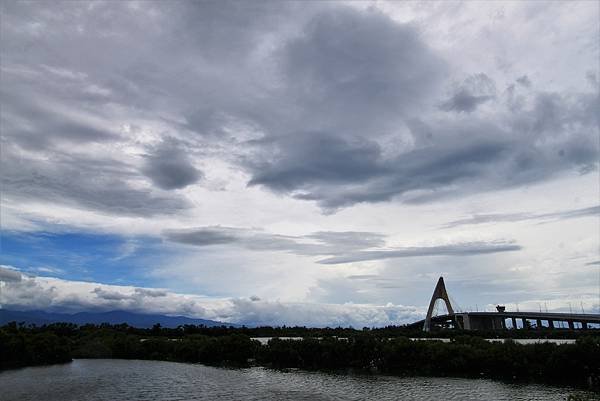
(299, 163)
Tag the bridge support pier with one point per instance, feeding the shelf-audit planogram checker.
(514, 323)
(551, 323)
(571, 325)
(538, 323)
(466, 322)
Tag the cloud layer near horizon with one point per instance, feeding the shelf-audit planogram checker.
(22, 292)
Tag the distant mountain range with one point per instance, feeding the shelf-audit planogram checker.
(140, 320)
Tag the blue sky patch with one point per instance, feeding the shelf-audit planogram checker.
(83, 256)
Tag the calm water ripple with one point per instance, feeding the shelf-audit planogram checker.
(166, 381)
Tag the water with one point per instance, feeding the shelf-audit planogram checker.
(106, 379)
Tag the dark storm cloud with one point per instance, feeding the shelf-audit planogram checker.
(350, 179)
(350, 77)
(26, 119)
(524, 80)
(75, 74)
(85, 183)
(318, 158)
(169, 167)
(475, 90)
(456, 158)
(354, 70)
(343, 163)
(319, 243)
(329, 91)
(202, 236)
(464, 101)
(514, 217)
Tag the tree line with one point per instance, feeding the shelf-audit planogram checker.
(320, 349)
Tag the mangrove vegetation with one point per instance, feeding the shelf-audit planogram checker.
(388, 350)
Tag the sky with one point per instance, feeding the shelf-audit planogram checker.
(310, 163)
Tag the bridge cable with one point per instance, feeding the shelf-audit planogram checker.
(455, 305)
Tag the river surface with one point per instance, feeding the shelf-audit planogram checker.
(113, 379)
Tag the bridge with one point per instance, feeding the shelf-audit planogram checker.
(498, 320)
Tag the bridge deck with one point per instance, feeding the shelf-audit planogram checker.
(586, 318)
(497, 320)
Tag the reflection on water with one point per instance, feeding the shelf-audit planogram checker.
(162, 381)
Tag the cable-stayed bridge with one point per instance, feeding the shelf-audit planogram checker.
(501, 319)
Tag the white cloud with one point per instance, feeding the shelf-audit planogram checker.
(56, 294)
